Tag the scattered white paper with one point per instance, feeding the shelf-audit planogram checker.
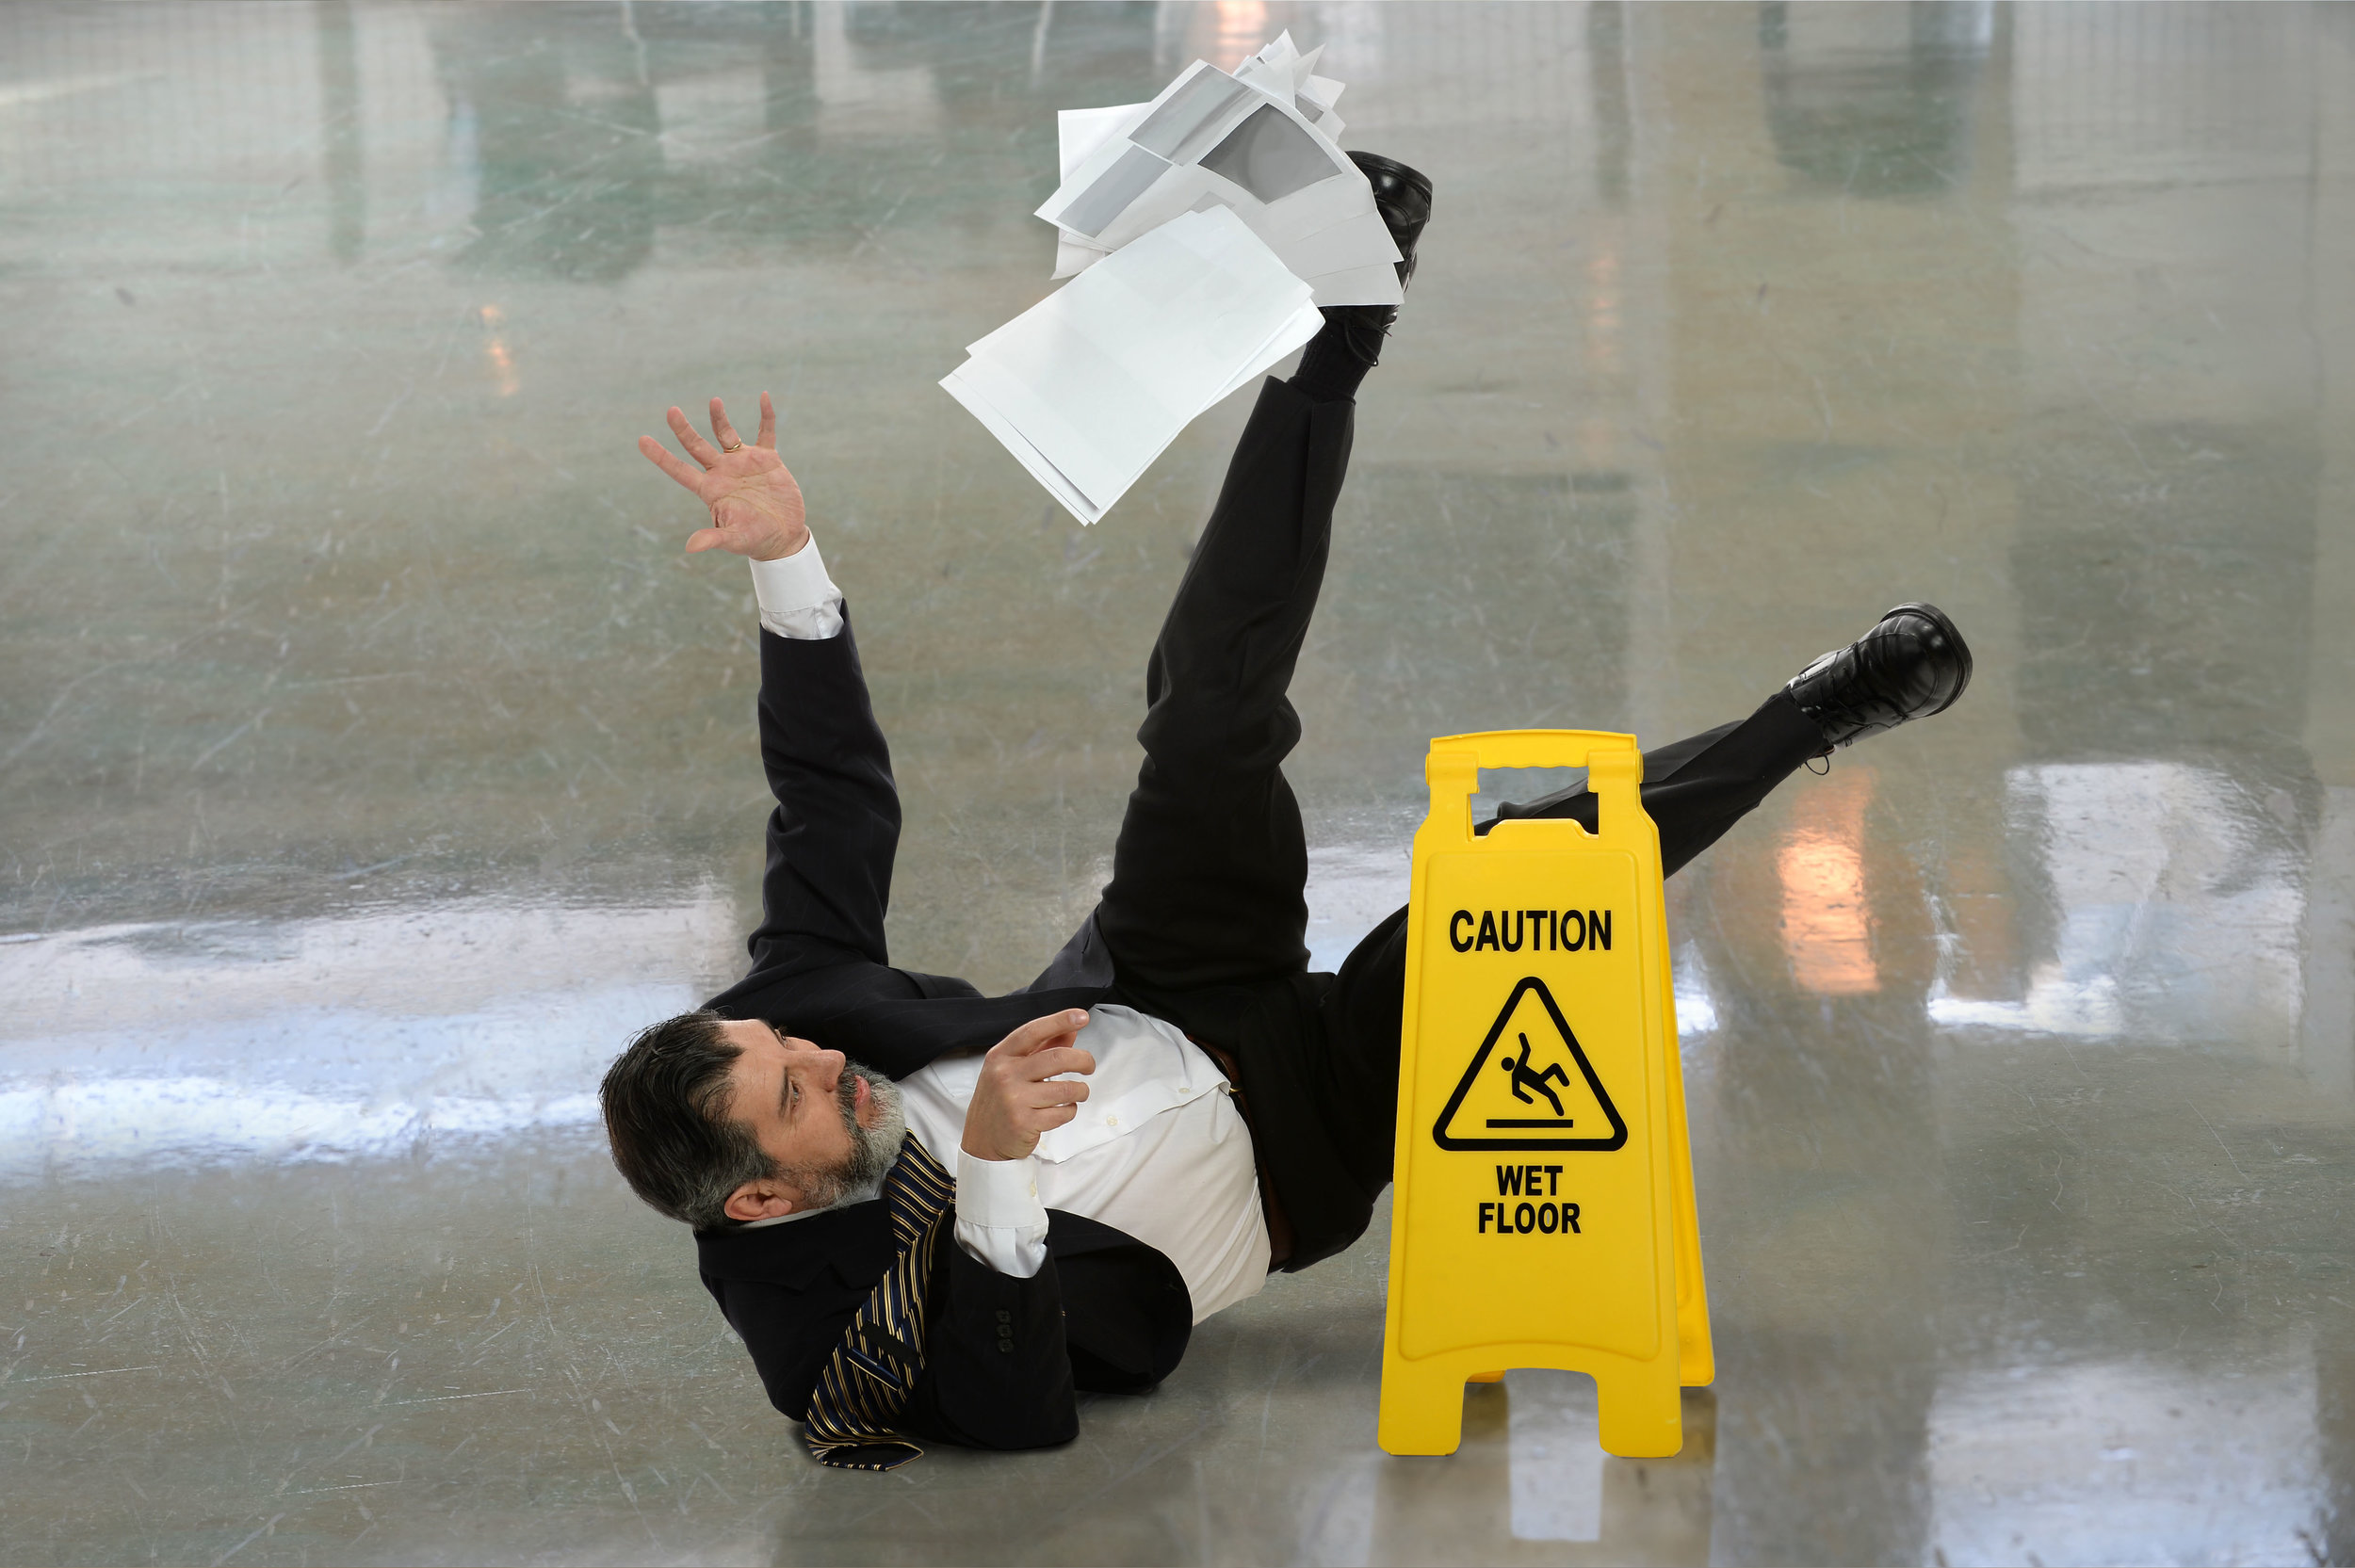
(1201, 232)
(1260, 142)
(1090, 385)
(1077, 133)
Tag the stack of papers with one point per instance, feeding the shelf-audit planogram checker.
(1259, 142)
(1088, 387)
(1200, 231)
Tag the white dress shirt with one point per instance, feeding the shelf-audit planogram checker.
(1158, 1149)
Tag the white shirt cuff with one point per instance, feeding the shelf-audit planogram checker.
(796, 597)
(1000, 1222)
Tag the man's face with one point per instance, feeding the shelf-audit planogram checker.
(791, 1094)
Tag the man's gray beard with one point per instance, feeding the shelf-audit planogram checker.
(860, 1175)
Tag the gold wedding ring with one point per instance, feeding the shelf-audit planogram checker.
(737, 448)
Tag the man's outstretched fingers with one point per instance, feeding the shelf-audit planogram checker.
(721, 428)
(697, 447)
(768, 436)
(660, 457)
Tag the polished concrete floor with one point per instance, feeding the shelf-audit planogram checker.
(371, 760)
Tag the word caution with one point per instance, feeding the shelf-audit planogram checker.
(1541, 930)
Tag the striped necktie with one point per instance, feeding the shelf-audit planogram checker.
(855, 1409)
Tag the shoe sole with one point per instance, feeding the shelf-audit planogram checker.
(1940, 619)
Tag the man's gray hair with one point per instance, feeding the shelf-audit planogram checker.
(666, 1115)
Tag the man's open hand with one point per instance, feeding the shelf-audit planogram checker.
(755, 505)
(1018, 1096)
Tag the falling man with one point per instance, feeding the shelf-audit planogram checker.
(936, 1214)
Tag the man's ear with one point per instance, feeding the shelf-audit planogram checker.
(765, 1199)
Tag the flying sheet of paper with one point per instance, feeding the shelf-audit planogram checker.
(1259, 142)
(1282, 71)
(1090, 385)
(1077, 133)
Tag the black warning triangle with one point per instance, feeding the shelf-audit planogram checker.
(1543, 1124)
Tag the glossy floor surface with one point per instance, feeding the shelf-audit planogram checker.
(371, 760)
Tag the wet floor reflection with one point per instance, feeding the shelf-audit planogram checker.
(370, 763)
(1875, 101)
(2173, 905)
(402, 1034)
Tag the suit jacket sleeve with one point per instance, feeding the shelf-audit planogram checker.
(1005, 1359)
(835, 829)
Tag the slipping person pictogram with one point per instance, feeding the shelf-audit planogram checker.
(1493, 1110)
(1524, 1080)
(858, 1147)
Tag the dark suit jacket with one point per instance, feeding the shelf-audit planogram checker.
(1003, 1357)
(1107, 1312)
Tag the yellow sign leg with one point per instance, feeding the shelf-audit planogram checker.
(1697, 1359)
(1642, 1414)
(1423, 1409)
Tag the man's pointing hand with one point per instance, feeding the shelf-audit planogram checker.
(1019, 1097)
(755, 505)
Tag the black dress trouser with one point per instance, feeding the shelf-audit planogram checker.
(1205, 910)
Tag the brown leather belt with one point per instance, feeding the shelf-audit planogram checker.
(1279, 1225)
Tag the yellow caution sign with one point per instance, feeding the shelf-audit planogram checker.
(1543, 1210)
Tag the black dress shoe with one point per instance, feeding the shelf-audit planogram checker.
(1911, 665)
(1403, 197)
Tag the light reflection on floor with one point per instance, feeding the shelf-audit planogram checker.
(371, 1036)
(2182, 910)
(1826, 914)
